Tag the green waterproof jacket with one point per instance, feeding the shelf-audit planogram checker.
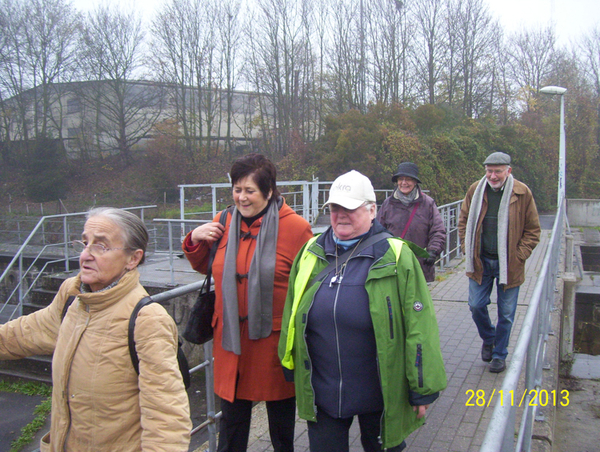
(406, 334)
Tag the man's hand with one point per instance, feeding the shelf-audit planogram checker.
(420, 410)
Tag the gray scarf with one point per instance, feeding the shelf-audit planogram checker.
(474, 213)
(407, 199)
(261, 277)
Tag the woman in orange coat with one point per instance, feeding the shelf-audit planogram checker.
(258, 245)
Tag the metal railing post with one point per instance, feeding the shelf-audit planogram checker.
(182, 210)
(214, 201)
(210, 397)
(171, 270)
(314, 200)
(66, 242)
(20, 282)
(306, 201)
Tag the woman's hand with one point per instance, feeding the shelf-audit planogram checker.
(420, 410)
(209, 232)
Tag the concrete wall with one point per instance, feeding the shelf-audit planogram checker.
(583, 212)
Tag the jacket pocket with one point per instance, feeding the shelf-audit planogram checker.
(45, 443)
(390, 316)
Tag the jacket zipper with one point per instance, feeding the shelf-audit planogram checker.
(419, 364)
(391, 317)
(337, 346)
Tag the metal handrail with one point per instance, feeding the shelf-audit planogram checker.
(33, 282)
(314, 195)
(18, 257)
(170, 222)
(207, 365)
(529, 350)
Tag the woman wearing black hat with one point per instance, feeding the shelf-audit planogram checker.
(412, 215)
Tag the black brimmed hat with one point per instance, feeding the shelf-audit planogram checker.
(407, 169)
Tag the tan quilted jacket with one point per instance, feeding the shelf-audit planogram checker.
(98, 401)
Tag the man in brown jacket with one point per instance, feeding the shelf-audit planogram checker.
(499, 228)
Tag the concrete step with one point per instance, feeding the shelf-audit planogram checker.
(29, 308)
(34, 368)
(52, 282)
(41, 297)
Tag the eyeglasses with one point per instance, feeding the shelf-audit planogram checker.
(95, 249)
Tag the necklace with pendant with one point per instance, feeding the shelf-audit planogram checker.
(339, 274)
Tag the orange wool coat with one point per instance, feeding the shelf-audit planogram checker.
(258, 366)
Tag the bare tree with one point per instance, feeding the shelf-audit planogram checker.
(230, 33)
(590, 49)
(13, 79)
(179, 51)
(126, 109)
(344, 61)
(37, 51)
(503, 89)
(278, 56)
(531, 53)
(390, 51)
(51, 32)
(472, 26)
(429, 16)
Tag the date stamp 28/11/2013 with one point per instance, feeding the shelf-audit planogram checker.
(530, 397)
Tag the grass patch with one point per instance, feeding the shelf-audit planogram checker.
(41, 411)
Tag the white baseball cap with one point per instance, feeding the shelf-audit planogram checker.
(351, 190)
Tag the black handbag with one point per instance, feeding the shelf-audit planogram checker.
(199, 326)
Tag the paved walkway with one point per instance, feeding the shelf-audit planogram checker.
(451, 426)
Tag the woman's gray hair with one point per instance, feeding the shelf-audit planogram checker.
(135, 234)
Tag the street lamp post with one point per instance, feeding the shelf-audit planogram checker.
(557, 90)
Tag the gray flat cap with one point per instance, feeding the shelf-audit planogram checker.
(497, 158)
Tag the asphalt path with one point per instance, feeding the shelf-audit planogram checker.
(16, 411)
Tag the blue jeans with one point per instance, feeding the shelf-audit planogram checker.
(479, 299)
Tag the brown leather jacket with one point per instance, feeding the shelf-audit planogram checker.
(523, 232)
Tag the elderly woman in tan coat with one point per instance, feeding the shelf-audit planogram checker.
(99, 403)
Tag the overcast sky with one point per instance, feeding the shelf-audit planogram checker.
(571, 17)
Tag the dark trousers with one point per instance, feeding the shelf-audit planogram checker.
(330, 434)
(234, 425)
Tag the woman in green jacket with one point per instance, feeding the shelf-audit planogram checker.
(359, 329)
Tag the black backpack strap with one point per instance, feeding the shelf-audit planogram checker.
(132, 352)
(352, 252)
(68, 303)
(181, 358)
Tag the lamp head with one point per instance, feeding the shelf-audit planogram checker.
(553, 90)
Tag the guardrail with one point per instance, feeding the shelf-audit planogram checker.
(306, 201)
(67, 235)
(207, 365)
(529, 351)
